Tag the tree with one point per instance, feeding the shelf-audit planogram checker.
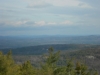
(27, 69)
(70, 67)
(7, 65)
(50, 66)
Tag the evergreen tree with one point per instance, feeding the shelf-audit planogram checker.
(50, 65)
(69, 67)
(7, 65)
(27, 69)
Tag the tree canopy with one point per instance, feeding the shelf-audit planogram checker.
(49, 67)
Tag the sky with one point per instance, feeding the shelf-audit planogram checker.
(49, 17)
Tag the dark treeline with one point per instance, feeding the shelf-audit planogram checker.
(48, 67)
(41, 49)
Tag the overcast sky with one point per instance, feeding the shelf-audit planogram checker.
(49, 17)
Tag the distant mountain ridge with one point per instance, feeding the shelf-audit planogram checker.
(41, 49)
(23, 41)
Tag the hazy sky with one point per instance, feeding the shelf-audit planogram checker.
(49, 17)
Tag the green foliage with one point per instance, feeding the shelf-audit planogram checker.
(7, 65)
(27, 69)
(49, 67)
(52, 57)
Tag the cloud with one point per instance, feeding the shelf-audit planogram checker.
(22, 23)
(28, 23)
(44, 23)
(51, 23)
(67, 22)
(40, 23)
(13, 23)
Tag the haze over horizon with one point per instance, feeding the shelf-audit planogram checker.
(49, 17)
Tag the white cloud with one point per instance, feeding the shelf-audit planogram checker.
(43, 23)
(51, 23)
(28, 23)
(14, 23)
(40, 23)
(67, 22)
(20, 22)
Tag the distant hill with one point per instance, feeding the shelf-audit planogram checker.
(41, 49)
(23, 41)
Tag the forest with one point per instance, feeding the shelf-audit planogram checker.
(49, 66)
